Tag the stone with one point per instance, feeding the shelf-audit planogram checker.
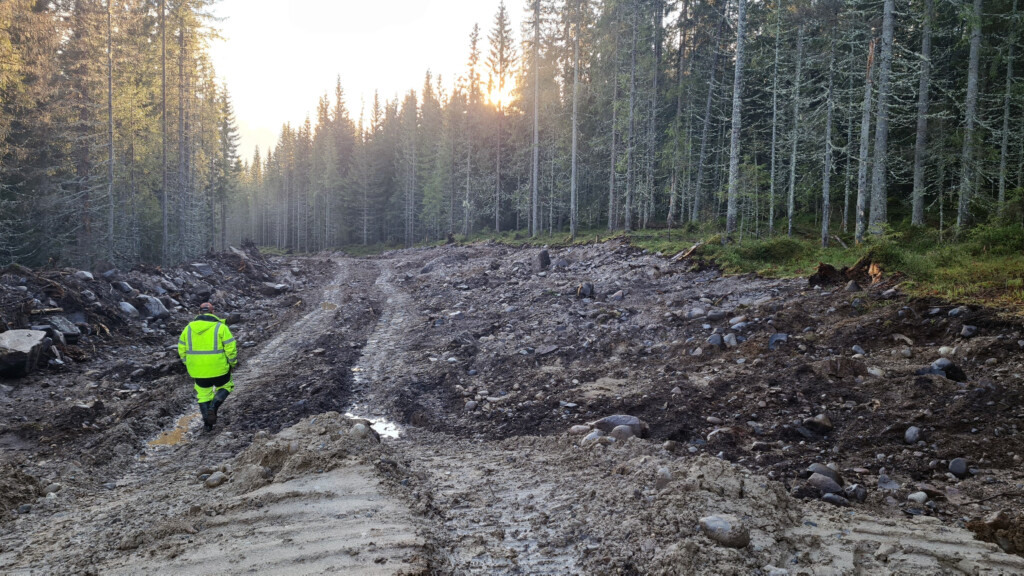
(887, 483)
(912, 435)
(947, 351)
(836, 500)
(216, 479)
(83, 275)
(824, 484)
(543, 260)
(818, 468)
(273, 288)
(919, 497)
(617, 296)
(25, 509)
(203, 269)
(591, 438)
(958, 467)
(714, 420)
(585, 290)
(958, 311)
(968, 331)
(662, 478)
(876, 371)
(622, 432)
(579, 429)
(775, 339)
(737, 320)
(730, 340)
(852, 286)
(770, 570)
(65, 327)
(560, 263)
(608, 423)
(153, 307)
(472, 405)
(696, 313)
(907, 352)
(52, 488)
(715, 340)
(858, 350)
(890, 294)
(716, 315)
(122, 286)
(856, 492)
(726, 530)
(820, 424)
(128, 310)
(545, 349)
(359, 430)
(20, 351)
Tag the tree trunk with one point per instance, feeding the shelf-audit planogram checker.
(705, 132)
(737, 122)
(612, 201)
(796, 127)
(677, 120)
(967, 156)
(879, 195)
(775, 120)
(630, 144)
(163, 129)
(573, 192)
(826, 178)
(534, 227)
(110, 138)
(921, 141)
(1004, 148)
(865, 134)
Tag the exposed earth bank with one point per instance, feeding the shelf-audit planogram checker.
(585, 410)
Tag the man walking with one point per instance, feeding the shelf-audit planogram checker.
(209, 352)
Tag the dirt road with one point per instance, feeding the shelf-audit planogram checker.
(481, 361)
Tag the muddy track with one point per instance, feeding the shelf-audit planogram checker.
(482, 364)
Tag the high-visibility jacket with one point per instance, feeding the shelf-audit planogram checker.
(207, 347)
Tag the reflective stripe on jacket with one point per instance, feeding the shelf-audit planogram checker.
(207, 347)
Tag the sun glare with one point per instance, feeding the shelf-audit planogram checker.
(500, 98)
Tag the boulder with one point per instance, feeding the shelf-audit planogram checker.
(84, 276)
(153, 308)
(20, 350)
(726, 529)
(128, 310)
(203, 269)
(543, 260)
(273, 289)
(609, 423)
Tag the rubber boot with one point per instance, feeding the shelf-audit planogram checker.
(209, 415)
(219, 399)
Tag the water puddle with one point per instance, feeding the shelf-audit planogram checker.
(329, 306)
(175, 436)
(383, 426)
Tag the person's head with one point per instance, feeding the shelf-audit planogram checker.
(206, 308)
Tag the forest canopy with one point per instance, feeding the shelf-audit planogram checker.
(832, 118)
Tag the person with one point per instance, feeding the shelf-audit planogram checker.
(210, 354)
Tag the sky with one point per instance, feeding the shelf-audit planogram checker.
(278, 57)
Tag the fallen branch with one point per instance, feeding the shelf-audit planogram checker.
(46, 311)
(687, 253)
(993, 497)
(841, 243)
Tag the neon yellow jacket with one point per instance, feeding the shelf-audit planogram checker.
(207, 347)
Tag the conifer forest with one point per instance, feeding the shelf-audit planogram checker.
(837, 118)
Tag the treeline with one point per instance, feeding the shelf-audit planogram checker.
(839, 116)
(116, 142)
